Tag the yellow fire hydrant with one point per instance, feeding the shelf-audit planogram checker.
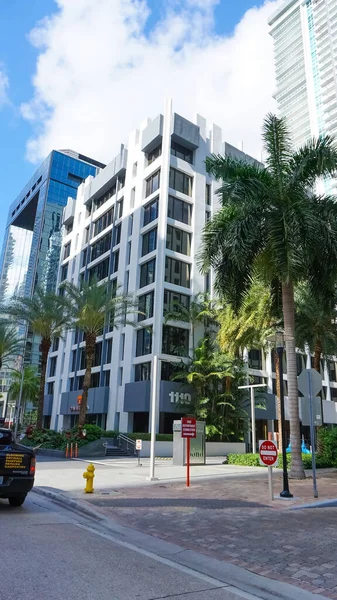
(89, 475)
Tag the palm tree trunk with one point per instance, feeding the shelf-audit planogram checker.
(288, 304)
(278, 396)
(317, 356)
(45, 347)
(90, 343)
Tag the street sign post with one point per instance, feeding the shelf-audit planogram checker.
(268, 458)
(139, 446)
(188, 431)
(310, 383)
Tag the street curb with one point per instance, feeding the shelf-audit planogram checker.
(75, 505)
(239, 579)
(318, 504)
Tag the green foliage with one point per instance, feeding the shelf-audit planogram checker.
(253, 460)
(30, 388)
(10, 343)
(146, 437)
(46, 438)
(327, 441)
(110, 433)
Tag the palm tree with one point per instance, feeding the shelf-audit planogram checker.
(47, 315)
(252, 327)
(30, 386)
(316, 322)
(200, 310)
(92, 305)
(270, 221)
(10, 342)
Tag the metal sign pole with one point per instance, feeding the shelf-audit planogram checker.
(312, 435)
(270, 483)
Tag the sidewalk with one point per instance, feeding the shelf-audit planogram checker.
(234, 521)
(227, 516)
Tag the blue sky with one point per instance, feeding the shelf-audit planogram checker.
(18, 59)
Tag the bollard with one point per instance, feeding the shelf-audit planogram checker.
(76, 450)
(89, 475)
(71, 450)
(67, 450)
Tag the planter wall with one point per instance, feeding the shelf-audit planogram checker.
(165, 449)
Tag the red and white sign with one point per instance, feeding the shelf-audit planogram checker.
(268, 453)
(188, 427)
(139, 444)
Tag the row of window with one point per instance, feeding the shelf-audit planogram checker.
(143, 371)
(176, 272)
(109, 193)
(175, 341)
(179, 181)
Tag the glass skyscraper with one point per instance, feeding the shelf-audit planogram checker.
(32, 241)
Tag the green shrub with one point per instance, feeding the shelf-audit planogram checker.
(244, 460)
(146, 437)
(110, 433)
(327, 443)
(47, 438)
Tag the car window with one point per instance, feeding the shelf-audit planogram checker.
(5, 438)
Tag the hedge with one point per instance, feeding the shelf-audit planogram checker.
(253, 460)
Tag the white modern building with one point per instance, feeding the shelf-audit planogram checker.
(305, 46)
(139, 223)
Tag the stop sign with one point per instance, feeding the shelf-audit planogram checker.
(268, 453)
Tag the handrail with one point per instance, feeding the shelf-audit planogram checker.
(125, 442)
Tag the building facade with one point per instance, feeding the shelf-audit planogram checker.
(139, 223)
(305, 47)
(32, 241)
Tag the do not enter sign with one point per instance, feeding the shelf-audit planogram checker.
(268, 453)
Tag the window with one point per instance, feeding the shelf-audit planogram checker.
(64, 272)
(52, 366)
(118, 230)
(149, 242)
(95, 380)
(86, 235)
(71, 383)
(134, 169)
(115, 261)
(50, 387)
(150, 212)
(143, 372)
(106, 378)
(69, 228)
(108, 194)
(178, 240)
(130, 224)
(207, 216)
(151, 156)
(179, 210)
(172, 300)
(180, 181)
(84, 257)
(145, 306)
(255, 359)
(147, 273)
(120, 376)
(208, 194)
(108, 350)
(175, 341)
(66, 251)
(181, 152)
(128, 253)
(168, 370)
(132, 198)
(177, 272)
(103, 245)
(152, 183)
(82, 361)
(122, 344)
(144, 341)
(120, 205)
(56, 344)
(98, 355)
(126, 282)
(208, 282)
(99, 271)
(73, 360)
(103, 222)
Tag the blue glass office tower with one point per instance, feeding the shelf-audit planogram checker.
(32, 242)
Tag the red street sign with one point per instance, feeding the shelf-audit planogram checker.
(188, 427)
(268, 453)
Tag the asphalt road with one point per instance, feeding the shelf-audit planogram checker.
(50, 553)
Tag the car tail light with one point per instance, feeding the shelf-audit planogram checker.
(32, 466)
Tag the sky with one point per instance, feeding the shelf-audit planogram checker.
(80, 74)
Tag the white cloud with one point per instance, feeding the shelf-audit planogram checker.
(4, 85)
(99, 74)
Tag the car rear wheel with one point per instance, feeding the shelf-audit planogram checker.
(17, 500)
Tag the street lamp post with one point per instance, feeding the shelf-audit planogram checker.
(279, 349)
(252, 409)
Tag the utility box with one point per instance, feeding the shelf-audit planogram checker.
(198, 445)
